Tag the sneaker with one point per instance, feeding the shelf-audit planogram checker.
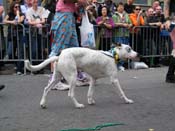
(170, 79)
(61, 86)
(121, 68)
(82, 83)
(2, 87)
(6, 57)
(19, 73)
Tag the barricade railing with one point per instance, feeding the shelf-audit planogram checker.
(153, 42)
(150, 41)
(12, 44)
(39, 45)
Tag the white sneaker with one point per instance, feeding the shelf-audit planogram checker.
(121, 68)
(82, 83)
(6, 57)
(61, 86)
(19, 73)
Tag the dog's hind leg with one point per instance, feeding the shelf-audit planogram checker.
(119, 90)
(52, 83)
(91, 101)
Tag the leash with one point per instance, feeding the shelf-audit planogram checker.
(98, 127)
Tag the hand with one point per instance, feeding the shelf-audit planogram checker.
(140, 12)
(173, 53)
(39, 25)
(167, 24)
(17, 12)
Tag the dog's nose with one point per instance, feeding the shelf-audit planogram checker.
(138, 55)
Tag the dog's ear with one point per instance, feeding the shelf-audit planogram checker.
(113, 45)
(118, 44)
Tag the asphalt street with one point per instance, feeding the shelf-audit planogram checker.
(154, 105)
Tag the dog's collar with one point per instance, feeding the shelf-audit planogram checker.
(112, 53)
(115, 55)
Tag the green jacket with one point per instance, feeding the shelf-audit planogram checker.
(121, 31)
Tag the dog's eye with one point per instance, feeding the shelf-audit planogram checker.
(128, 50)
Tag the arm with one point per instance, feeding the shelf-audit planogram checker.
(1, 10)
(7, 21)
(172, 35)
(168, 23)
(166, 8)
(167, 13)
(20, 17)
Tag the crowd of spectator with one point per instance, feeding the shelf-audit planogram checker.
(107, 16)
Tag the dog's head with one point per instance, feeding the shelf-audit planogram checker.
(125, 51)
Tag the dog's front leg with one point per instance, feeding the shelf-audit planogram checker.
(71, 94)
(120, 91)
(91, 101)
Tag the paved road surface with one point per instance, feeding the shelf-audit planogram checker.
(154, 105)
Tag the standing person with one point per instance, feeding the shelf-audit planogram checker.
(50, 5)
(111, 6)
(129, 7)
(155, 4)
(36, 17)
(137, 20)
(169, 11)
(2, 50)
(64, 28)
(105, 24)
(122, 24)
(27, 4)
(15, 43)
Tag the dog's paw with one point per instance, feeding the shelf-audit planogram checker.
(80, 106)
(91, 101)
(43, 106)
(129, 101)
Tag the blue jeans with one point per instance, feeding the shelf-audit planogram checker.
(19, 45)
(36, 50)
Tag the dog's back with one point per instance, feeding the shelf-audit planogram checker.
(90, 61)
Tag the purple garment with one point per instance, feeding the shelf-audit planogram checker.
(107, 33)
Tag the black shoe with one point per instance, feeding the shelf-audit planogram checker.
(2, 87)
(170, 79)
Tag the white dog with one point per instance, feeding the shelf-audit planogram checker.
(93, 62)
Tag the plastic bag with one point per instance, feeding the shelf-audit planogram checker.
(87, 32)
(139, 65)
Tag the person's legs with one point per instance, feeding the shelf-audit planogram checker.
(170, 77)
(20, 64)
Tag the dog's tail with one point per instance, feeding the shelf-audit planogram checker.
(41, 65)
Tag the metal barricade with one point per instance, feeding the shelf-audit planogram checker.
(150, 42)
(38, 43)
(12, 45)
(103, 37)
